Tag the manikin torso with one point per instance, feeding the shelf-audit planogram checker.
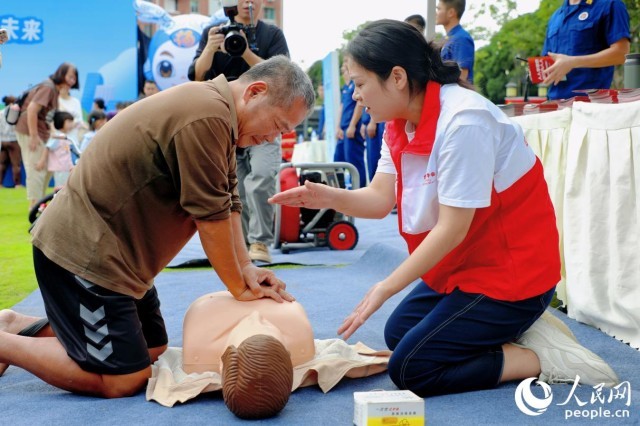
(217, 320)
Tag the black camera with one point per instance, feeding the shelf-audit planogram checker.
(234, 43)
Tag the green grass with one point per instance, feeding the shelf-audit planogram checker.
(17, 279)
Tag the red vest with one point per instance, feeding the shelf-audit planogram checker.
(511, 251)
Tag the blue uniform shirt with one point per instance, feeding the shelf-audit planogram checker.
(320, 128)
(348, 104)
(460, 48)
(366, 118)
(584, 29)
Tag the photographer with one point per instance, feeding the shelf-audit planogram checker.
(258, 165)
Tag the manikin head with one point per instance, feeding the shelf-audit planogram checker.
(257, 377)
(257, 373)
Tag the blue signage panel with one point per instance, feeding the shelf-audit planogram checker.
(97, 36)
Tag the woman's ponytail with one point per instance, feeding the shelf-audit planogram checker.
(444, 72)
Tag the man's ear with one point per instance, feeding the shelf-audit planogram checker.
(254, 90)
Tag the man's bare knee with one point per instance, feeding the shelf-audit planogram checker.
(154, 353)
(124, 385)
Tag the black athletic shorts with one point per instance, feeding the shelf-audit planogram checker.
(103, 331)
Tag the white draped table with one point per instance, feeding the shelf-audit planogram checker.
(591, 156)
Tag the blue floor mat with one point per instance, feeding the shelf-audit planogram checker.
(328, 293)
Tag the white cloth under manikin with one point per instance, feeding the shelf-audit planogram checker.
(334, 360)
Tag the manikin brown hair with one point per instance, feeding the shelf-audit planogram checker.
(257, 377)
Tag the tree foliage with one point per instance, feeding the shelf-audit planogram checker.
(500, 12)
(633, 6)
(315, 73)
(523, 36)
(495, 63)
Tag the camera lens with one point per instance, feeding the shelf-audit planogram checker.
(234, 43)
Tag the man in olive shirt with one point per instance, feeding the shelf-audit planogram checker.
(155, 174)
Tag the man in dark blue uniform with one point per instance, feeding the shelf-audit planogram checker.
(585, 38)
(350, 143)
(459, 46)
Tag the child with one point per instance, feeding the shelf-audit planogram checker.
(57, 157)
(96, 120)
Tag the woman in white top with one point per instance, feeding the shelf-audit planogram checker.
(71, 104)
(475, 212)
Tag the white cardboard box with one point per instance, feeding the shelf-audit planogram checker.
(388, 408)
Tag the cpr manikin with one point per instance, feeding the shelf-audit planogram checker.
(252, 345)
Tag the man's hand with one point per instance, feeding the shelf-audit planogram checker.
(214, 39)
(351, 131)
(372, 129)
(562, 65)
(263, 283)
(40, 165)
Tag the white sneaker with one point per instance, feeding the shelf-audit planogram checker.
(259, 251)
(562, 359)
(557, 323)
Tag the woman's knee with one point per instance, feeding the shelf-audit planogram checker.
(391, 336)
(406, 373)
(399, 369)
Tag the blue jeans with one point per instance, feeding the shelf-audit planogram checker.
(449, 343)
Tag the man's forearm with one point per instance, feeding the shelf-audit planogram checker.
(251, 58)
(357, 113)
(218, 241)
(203, 63)
(613, 55)
(239, 244)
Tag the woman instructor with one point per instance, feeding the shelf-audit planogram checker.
(474, 209)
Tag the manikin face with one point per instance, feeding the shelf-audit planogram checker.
(382, 100)
(442, 14)
(259, 121)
